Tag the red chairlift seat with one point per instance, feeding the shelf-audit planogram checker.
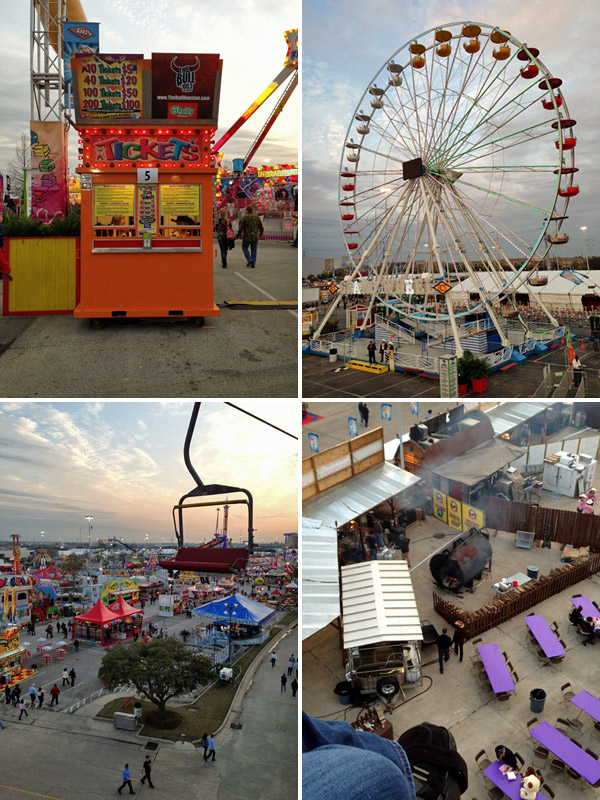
(347, 202)
(566, 170)
(348, 187)
(549, 105)
(199, 559)
(348, 174)
(550, 83)
(351, 245)
(569, 191)
(523, 55)
(530, 71)
(347, 216)
(568, 143)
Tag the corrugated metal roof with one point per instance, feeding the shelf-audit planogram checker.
(320, 578)
(507, 416)
(378, 604)
(342, 503)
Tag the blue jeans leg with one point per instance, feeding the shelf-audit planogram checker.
(253, 249)
(223, 247)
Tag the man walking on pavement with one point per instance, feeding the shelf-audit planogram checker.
(72, 675)
(126, 780)
(32, 695)
(65, 677)
(147, 767)
(283, 682)
(40, 695)
(250, 230)
(444, 643)
(54, 691)
(291, 663)
(212, 750)
(273, 659)
(294, 685)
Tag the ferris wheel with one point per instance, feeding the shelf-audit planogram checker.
(457, 169)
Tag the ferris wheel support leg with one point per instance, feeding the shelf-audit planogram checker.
(325, 319)
(436, 250)
(546, 311)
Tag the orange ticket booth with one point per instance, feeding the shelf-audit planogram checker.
(147, 173)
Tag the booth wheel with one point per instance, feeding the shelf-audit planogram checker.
(197, 322)
(97, 324)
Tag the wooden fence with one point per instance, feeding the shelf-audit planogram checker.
(518, 600)
(566, 527)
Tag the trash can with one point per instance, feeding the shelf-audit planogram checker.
(532, 571)
(343, 689)
(537, 698)
(332, 355)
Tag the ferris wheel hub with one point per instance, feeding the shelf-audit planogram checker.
(413, 169)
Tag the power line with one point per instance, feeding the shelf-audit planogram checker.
(270, 424)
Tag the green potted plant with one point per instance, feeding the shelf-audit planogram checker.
(480, 371)
(464, 366)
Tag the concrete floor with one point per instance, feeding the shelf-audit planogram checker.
(454, 699)
(246, 352)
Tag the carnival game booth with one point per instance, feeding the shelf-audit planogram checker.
(146, 173)
(105, 626)
(12, 657)
(248, 619)
(381, 628)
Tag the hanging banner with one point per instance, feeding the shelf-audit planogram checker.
(48, 170)
(352, 426)
(79, 38)
(472, 517)
(440, 505)
(455, 514)
(414, 408)
(386, 411)
(110, 86)
(313, 442)
(186, 85)
(147, 209)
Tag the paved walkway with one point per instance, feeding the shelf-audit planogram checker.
(260, 760)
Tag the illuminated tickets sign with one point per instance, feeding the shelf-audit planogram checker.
(145, 148)
(110, 86)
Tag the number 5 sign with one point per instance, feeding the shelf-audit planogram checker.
(147, 175)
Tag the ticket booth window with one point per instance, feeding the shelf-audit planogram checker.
(180, 210)
(114, 210)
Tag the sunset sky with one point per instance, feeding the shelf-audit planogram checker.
(122, 463)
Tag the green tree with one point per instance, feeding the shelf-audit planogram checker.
(159, 669)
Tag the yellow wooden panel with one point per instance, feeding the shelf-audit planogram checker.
(44, 275)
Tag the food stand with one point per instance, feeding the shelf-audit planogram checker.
(146, 172)
(103, 625)
(12, 656)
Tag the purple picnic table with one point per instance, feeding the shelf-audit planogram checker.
(546, 638)
(510, 788)
(496, 668)
(588, 608)
(588, 703)
(567, 751)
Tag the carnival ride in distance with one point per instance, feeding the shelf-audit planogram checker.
(456, 186)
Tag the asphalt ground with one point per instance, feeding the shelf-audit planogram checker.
(63, 756)
(246, 352)
(322, 378)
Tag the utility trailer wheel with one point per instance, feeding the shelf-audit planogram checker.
(97, 324)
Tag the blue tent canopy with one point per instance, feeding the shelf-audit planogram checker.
(247, 610)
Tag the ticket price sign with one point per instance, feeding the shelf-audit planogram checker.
(146, 221)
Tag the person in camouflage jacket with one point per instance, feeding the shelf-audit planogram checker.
(250, 231)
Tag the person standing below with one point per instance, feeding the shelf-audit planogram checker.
(72, 675)
(361, 412)
(294, 685)
(76, 645)
(366, 414)
(382, 350)
(250, 230)
(49, 633)
(221, 229)
(204, 743)
(22, 709)
(577, 370)
(7, 694)
(273, 659)
(371, 351)
(32, 695)
(378, 531)
(284, 682)
(54, 692)
(458, 639)
(581, 503)
(372, 545)
(291, 663)
(16, 695)
(147, 768)
(65, 677)
(429, 414)
(211, 748)
(444, 643)
(126, 780)
(403, 543)
(40, 695)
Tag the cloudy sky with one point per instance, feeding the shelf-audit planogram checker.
(334, 78)
(123, 464)
(248, 34)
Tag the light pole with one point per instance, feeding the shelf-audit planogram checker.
(89, 522)
(42, 535)
(585, 244)
(230, 609)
